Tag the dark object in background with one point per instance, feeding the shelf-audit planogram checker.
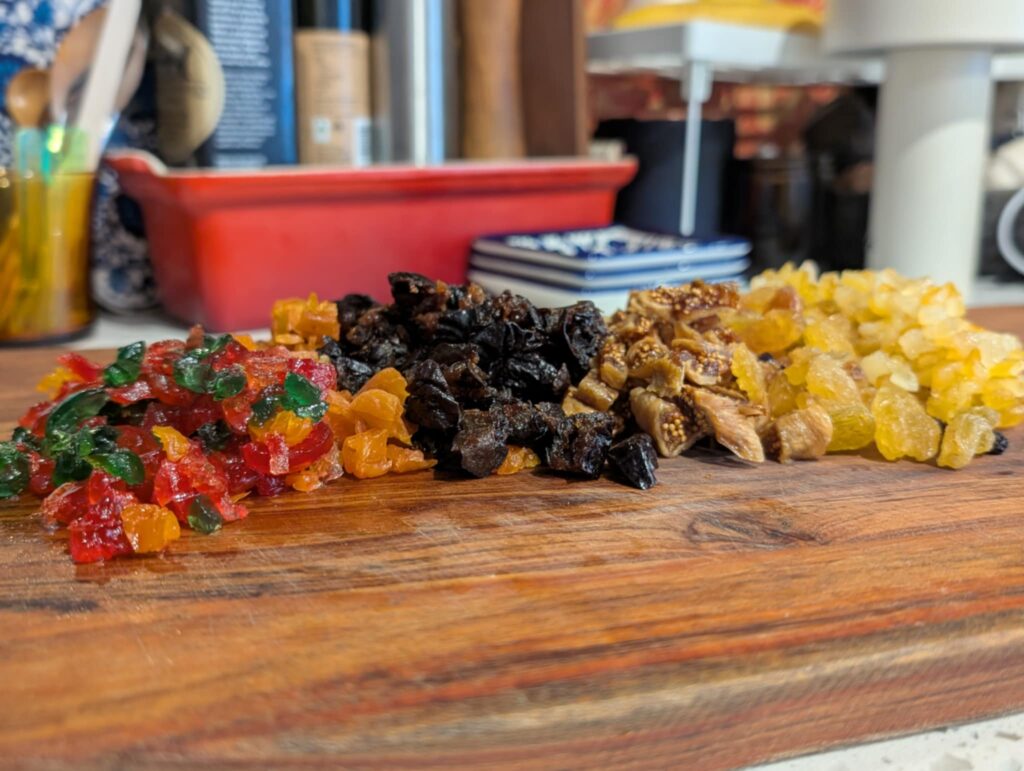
(252, 42)
(991, 261)
(653, 199)
(840, 141)
(779, 206)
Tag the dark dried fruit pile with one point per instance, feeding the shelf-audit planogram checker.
(486, 376)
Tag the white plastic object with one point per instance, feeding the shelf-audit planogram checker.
(932, 137)
(105, 75)
(933, 124)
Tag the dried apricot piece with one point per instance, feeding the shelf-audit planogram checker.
(518, 459)
(390, 380)
(404, 460)
(340, 417)
(380, 409)
(365, 455)
(902, 427)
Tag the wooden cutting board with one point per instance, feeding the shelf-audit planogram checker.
(731, 615)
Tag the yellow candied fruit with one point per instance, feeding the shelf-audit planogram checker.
(774, 332)
(287, 424)
(518, 459)
(879, 366)
(302, 324)
(951, 400)
(149, 528)
(902, 427)
(967, 434)
(830, 383)
(749, 374)
(176, 445)
(799, 362)
(832, 334)
(52, 383)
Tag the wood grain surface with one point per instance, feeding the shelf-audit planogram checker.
(731, 615)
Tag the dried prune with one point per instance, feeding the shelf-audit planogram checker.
(581, 330)
(635, 460)
(580, 444)
(352, 374)
(528, 424)
(351, 307)
(531, 376)
(468, 383)
(430, 404)
(480, 443)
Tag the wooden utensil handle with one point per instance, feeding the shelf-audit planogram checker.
(492, 114)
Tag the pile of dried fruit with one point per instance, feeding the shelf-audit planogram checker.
(486, 375)
(801, 366)
(177, 433)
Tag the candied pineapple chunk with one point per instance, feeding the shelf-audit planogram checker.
(887, 357)
(749, 374)
(968, 434)
(902, 427)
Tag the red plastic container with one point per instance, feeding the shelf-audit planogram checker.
(226, 244)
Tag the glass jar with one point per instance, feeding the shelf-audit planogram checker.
(44, 255)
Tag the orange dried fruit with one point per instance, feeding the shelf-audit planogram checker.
(340, 417)
(383, 410)
(518, 459)
(149, 528)
(390, 380)
(365, 455)
(404, 460)
(287, 424)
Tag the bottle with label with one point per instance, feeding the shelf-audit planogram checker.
(332, 89)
